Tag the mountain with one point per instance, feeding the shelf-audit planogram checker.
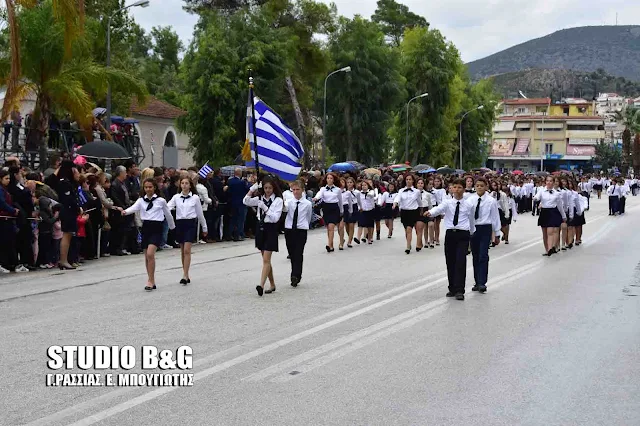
(615, 49)
(539, 83)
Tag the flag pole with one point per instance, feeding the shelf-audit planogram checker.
(253, 125)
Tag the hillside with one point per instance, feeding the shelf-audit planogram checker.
(537, 83)
(615, 49)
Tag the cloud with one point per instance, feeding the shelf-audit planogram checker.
(477, 27)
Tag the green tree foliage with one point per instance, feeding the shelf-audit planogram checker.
(395, 18)
(607, 155)
(360, 104)
(222, 6)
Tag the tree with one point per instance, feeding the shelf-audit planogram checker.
(630, 117)
(636, 155)
(361, 103)
(166, 48)
(607, 155)
(222, 6)
(431, 65)
(59, 81)
(395, 18)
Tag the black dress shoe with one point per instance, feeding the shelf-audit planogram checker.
(483, 289)
(450, 294)
(271, 290)
(295, 281)
(408, 251)
(475, 288)
(460, 296)
(183, 281)
(328, 249)
(418, 248)
(148, 288)
(260, 290)
(357, 241)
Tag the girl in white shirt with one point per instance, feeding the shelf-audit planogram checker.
(430, 233)
(551, 217)
(269, 211)
(352, 195)
(188, 214)
(440, 193)
(366, 220)
(346, 200)
(409, 201)
(154, 211)
(427, 204)
(330, 195)
(386, 201)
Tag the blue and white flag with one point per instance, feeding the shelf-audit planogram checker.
(205, 170)
(279, 149)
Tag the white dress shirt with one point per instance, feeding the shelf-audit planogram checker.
(188, 207)
(427, 199)
(487, 211)
(204, 196)
(468, 193)
(305, 211)
(286, 197)
(330, 195)
(439, 194)
(614, 190)
(272, 213)
(551, 199)
(387, 198)
(465, 215)
(158, 212)
(368, 200)
(409, 199)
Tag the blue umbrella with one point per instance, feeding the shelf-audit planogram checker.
(423, 168)
(342, 167)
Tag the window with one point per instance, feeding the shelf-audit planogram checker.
(521, 110)
(565, 111)
(548, 148)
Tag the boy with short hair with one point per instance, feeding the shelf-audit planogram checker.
(299, 212)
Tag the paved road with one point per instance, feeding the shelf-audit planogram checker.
(368, 338)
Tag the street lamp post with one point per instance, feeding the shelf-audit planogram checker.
(406, 141)
(463, 117)
(324, 115)
(140, 3)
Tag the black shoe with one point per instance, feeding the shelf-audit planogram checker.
(271, 290)
(460, 296)
(364, 241)
(147, 288)
(154, 287)
(418, 248)
(570, 246)
(349, 245)
(475, 288)
(378, 236)
(260, 290)
(450, 294)
(357, 241)
(183, 281)
(483, 289)
(328, 249)
(408, 251)
(295, 281)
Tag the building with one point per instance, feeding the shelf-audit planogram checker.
(163, 143)
(534, 134)
(608, 104)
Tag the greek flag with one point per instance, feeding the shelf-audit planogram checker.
(205, 170)
(279, 149)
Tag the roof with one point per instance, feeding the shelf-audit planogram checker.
(157, 109)
(549, 117)
(532, 101)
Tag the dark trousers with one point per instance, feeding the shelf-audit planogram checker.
(480, 241)
(614, 202)
(536, 208)
(456, 245)
(8, 252)
(623, 203)
(24, 242)
(238, 216)
(45, 248)
(296, 240)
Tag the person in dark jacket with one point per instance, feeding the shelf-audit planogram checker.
(23, 201)
(67, 190)
(45, 232)
(8, 229)
(119, 224)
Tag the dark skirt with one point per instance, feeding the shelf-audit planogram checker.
(550, 218)
(503, 218)
(377, 213)
(330, 213)
(186, 230)
(387, 211)
(68, 221)
(409, 217)
(353, 216)
(267, 236)
(366, 219)
(578, 219)
(152, 233)
(597, 187)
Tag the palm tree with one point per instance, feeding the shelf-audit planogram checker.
(630, 117)
(59, 74)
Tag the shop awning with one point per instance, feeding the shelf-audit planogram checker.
(522, 145)
(550, 125)
(523, 125)
(504, 126)
(584, 123)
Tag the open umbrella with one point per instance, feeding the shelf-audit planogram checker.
(420, 167)
(358, 166)
(542, 174)
(97, 112)
(446, 170)
(372, 172)
(399, 167)
(342, 168)
(517, 172)
(481, 170)
(230, 170)
(460, 172)
(429, 169)
(104, 150)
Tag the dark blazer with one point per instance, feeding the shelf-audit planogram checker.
(238, 188)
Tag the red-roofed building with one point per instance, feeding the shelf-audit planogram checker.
(157, 126)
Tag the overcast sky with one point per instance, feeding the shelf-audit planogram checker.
(477, 27)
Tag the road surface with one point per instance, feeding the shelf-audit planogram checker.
(368, 337)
